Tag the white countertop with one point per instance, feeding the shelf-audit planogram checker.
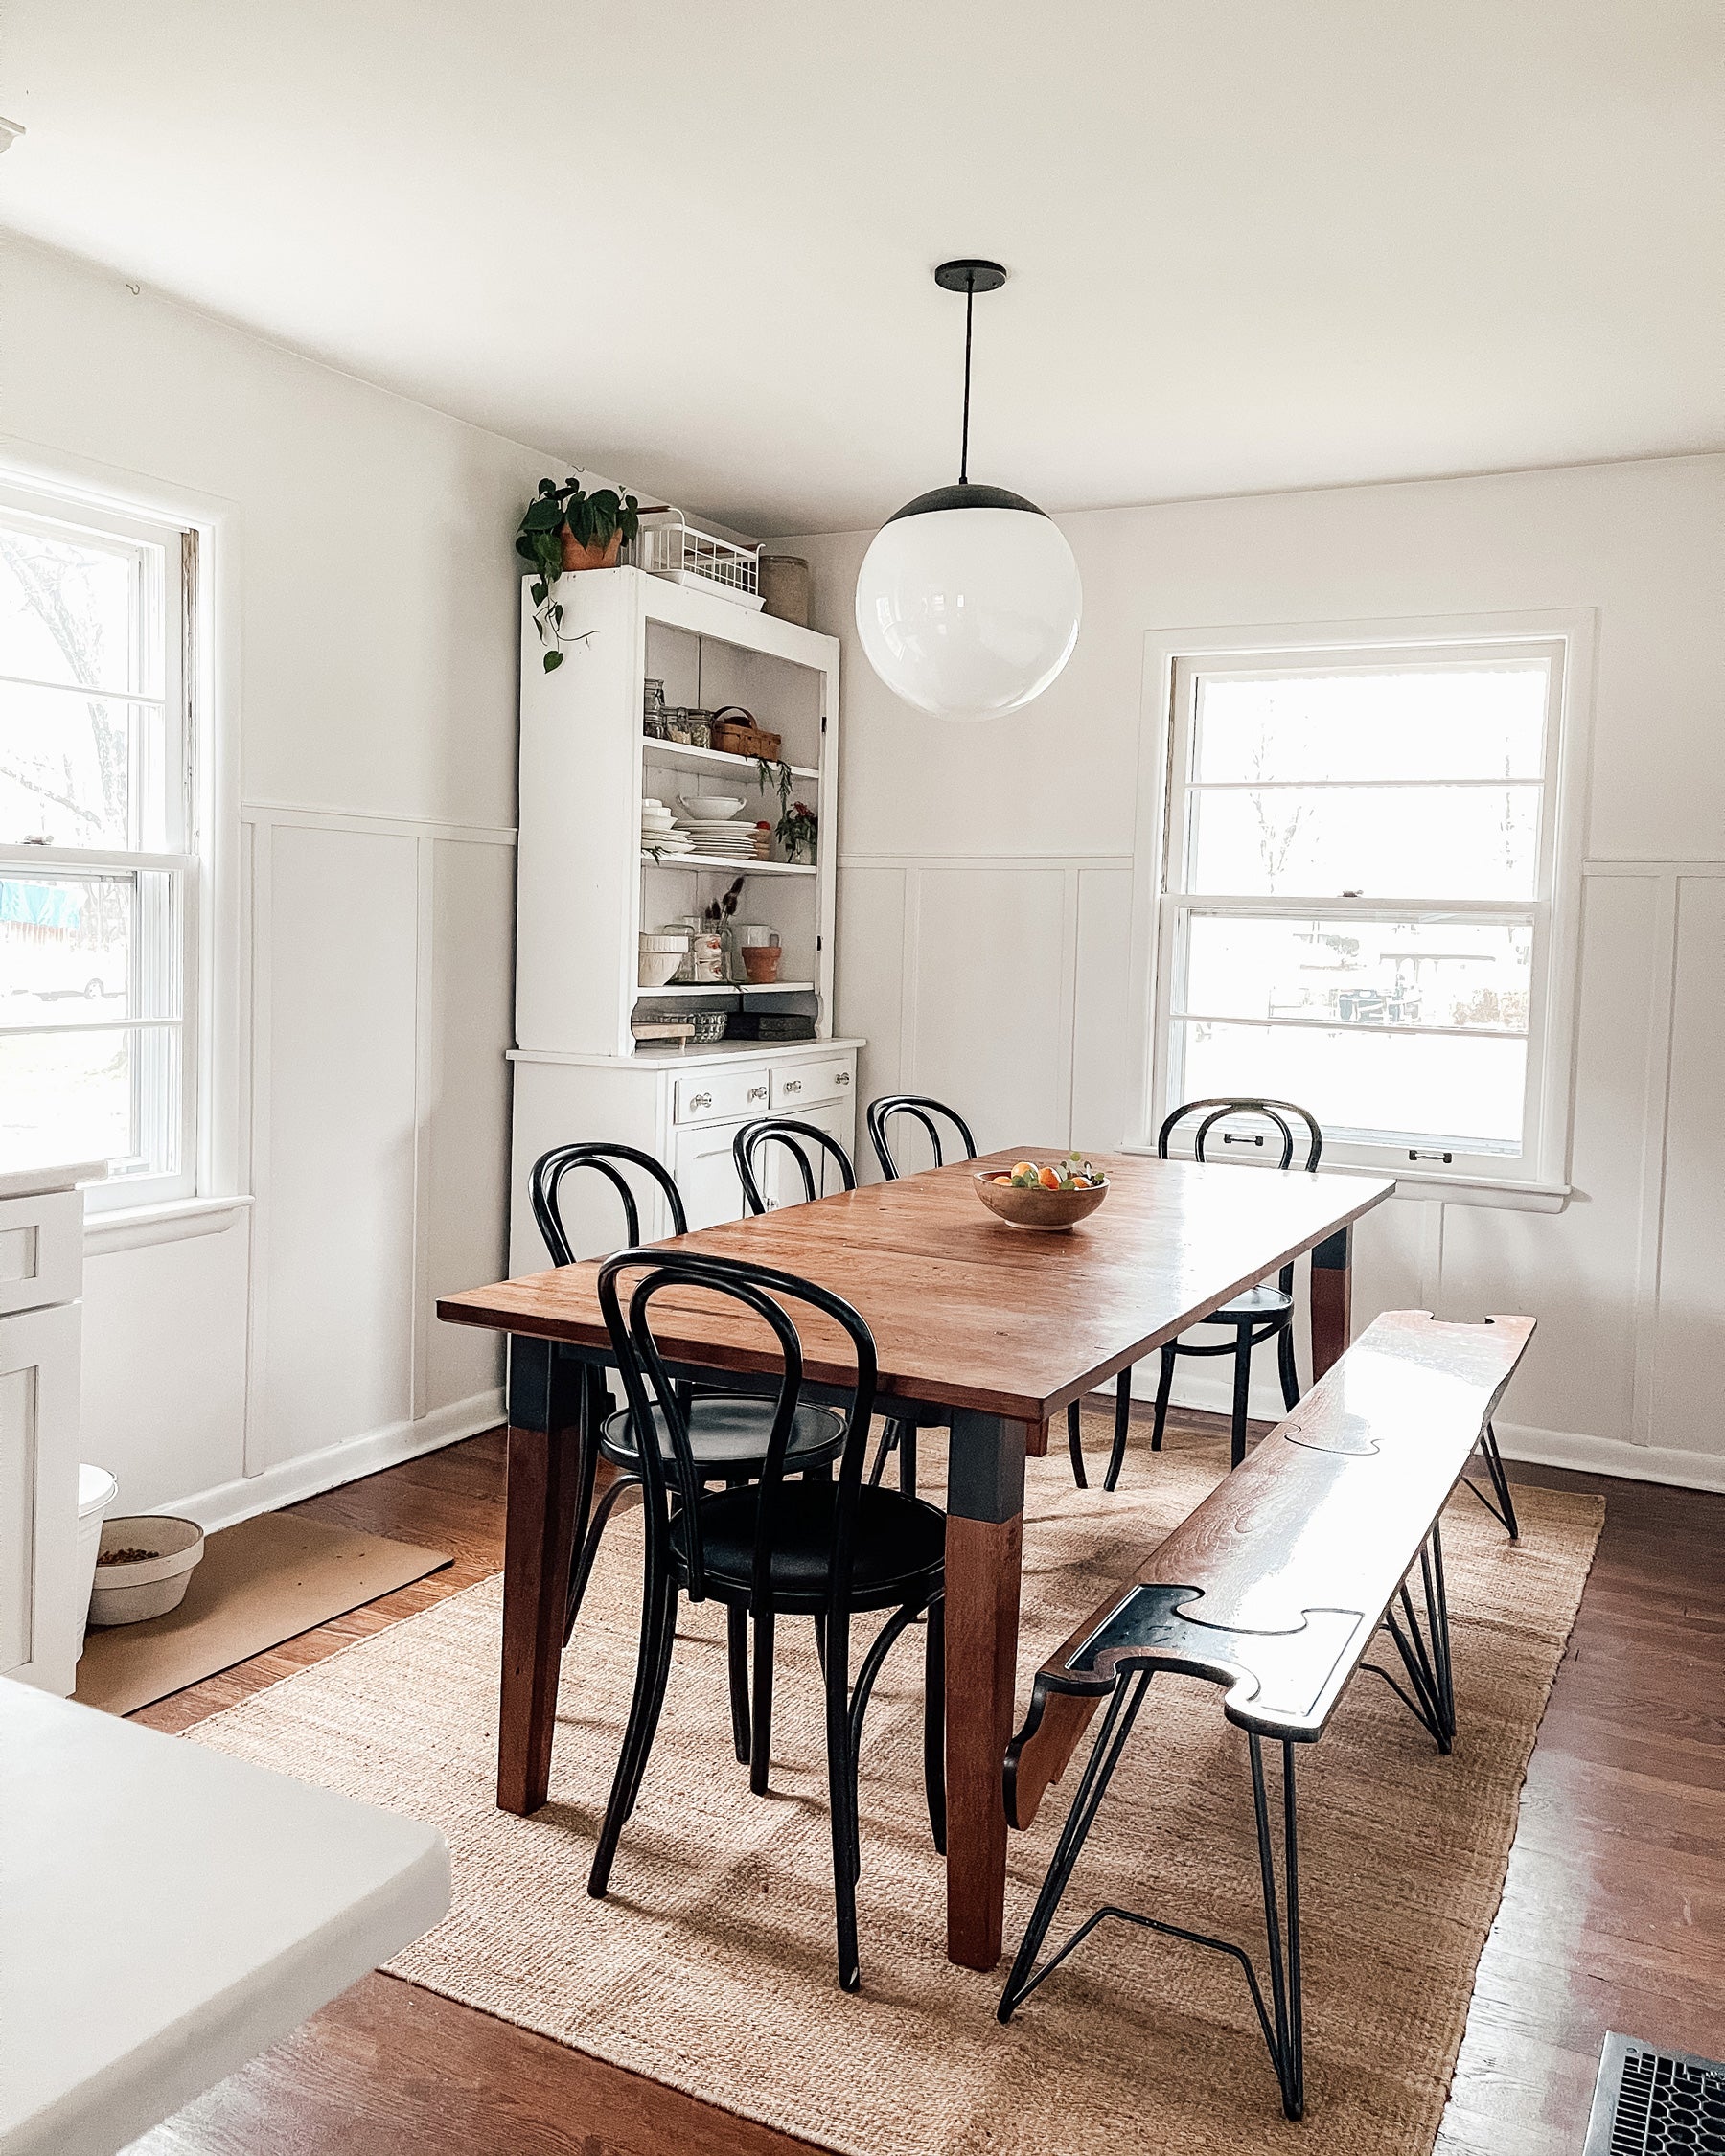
(167, 1913)
(691, 1058)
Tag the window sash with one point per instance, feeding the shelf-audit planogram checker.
(1177, 906)
(164, 1074)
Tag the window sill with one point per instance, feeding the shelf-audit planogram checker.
(176, 1221)
(1507, 1196)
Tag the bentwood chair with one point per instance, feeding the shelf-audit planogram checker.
(899, 1435)
(829, 1551)
(914, 1108)
(728, 1430)
(1255, 1316)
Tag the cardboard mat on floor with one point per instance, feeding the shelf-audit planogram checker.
(259, 1583)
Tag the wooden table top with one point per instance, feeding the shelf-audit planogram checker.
(966, 1310)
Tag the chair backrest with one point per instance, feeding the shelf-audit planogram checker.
(647, 1382)
(550, 1168)
(780, 1130)
(920, 1108)
(1281, 1113)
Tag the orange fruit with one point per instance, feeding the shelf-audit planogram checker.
(1024, 1167)
(1006, 1180)
(1050, 1179)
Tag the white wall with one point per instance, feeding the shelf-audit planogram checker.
(985, 889)
(366, 603)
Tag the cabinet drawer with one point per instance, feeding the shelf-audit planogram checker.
(722, 1095)
(41, 1250)
(804, 1085)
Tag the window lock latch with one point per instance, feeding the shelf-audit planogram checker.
(1242, 1138)
(1445, 1158)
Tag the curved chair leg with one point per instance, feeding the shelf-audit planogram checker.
(760, 1749)
(588, 1548)
(1165, 1385)
(736, 1625)
(1242, 1394)
(1075, 1442)
(935, 1720)
(658, 1619)
(891, 1437)
(1122, 1423)
(1286, 1365)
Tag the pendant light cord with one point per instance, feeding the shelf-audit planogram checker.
(970, 301)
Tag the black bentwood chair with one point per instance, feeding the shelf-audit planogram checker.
(1256, 1315)
(915, 1108)
(825, 1551)
(899, 1435)
(728, 1430)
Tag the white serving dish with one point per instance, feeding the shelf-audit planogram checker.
(662, 943)
(710, 807)
(145, 1587)
(657, 967)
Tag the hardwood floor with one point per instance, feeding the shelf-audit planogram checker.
(1613, 1915)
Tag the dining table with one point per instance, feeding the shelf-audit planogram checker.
(985, 1325)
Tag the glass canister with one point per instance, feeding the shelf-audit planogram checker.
(700, 729)
(653, 719)
(676, 725)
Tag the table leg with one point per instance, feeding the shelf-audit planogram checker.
(984, 1547)
(545, 1477)
(1332, 1299)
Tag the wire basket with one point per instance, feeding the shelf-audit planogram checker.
(668, 545)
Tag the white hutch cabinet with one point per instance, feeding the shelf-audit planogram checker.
(586, 891)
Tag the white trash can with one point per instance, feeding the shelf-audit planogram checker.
(97, 1490)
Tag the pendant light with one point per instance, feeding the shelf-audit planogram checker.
(968, 600)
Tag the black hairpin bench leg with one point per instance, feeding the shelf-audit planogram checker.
(1282, 2022)
(1424, 1648)
(1500, 1505)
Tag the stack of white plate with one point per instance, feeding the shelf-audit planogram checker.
(659, 830)
(710, 822)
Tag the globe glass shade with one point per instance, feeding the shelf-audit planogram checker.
(968, 612)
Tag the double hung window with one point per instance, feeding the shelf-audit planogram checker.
(1357, 906)
(98, 862)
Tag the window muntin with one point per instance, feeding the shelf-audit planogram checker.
(98, 877)
(1356, 911)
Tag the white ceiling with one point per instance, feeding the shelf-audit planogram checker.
(1254, 244)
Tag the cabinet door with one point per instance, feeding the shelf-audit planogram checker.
(38, 1495)
(706, 1174)
(783, 1182)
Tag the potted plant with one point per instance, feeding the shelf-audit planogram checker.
(795, 831)
(566, 528)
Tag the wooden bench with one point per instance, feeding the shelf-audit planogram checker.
(1274, 1589)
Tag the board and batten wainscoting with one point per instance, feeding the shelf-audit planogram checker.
(374, 1102)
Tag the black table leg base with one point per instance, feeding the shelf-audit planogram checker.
(1500, 1504)
(1280, 2019)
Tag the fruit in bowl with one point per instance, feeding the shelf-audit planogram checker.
(1044, 1194)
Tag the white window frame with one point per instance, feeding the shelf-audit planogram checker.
(176, 698)
(1536, 1177)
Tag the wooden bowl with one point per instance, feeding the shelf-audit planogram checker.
(1047, 1209)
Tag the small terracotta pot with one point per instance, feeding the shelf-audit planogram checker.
(590, 557)
(761, 962)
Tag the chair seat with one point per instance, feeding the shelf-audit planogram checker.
(1251, 1305)
(728, 1433)
(900, 1545)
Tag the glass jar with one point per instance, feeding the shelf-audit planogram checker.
(676, 725)
(701, 730)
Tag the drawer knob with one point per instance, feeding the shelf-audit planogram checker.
(842, 1079)
(793, 1084)
(700, 1100)
(757, 1093)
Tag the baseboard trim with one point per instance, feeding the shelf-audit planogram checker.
(1611, 1456)
(229, 1503)
(1614, 1457)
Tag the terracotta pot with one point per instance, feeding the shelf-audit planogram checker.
(761, 962)
(590, 557)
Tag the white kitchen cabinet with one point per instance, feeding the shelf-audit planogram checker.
(41, 1284)
(586, 891)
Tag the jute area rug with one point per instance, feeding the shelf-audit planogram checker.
(711, 1966)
